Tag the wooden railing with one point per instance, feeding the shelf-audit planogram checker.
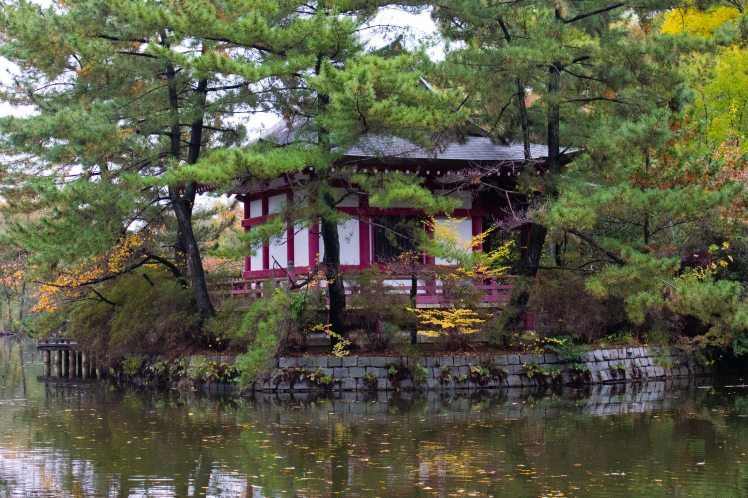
(430, 293)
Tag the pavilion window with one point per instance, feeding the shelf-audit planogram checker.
(395, 235)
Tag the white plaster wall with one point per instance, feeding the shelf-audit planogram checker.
(464, 228)
(279, 251)
(255, 208)
(255, 260)
(349, 243)
(277, 203)
(301, 246)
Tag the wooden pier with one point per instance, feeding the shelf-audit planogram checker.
(67, 359)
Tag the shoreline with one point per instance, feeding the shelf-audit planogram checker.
(437, 373)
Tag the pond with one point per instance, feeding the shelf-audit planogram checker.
(90, 438)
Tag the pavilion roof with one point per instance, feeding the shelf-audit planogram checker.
(472, 148)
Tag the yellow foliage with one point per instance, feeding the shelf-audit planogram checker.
(340, 348)
(69, 284)
(450, 321)
(698, 22)
(473, 262)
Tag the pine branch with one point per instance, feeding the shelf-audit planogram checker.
(585, 15)
(589, 240)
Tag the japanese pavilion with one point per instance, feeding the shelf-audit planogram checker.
(460, 169)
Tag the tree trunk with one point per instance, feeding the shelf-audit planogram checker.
(524, 122)
(554, 118)
(335, 284)
(536, 239)
(533, 251)
(182, 201)
(192, 254)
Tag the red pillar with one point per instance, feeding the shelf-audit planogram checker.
(247, 259)
(477, 230)
(364, 232)
(265, 247)
(290, 243)
(313, 243)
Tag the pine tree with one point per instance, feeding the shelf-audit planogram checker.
(351, 92)
(557, 73)
(123, 94)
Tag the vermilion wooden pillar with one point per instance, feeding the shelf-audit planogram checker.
(290, 242)
(364, 232)
(265, 247)
(313, 243)
(247, 259)
(477, 230)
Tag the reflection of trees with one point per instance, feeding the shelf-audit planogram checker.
(505, 443)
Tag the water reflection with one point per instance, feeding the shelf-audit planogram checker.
(73, 438)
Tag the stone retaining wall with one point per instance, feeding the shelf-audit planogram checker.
(366, 373)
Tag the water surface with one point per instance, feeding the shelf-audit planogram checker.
(60, 438)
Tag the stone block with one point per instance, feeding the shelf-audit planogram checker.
(364, 361)
(376, 371)
(527, 358)
(380, 361)
(446, 361)
(287, 362)
(513, 359)
(340, 372)
(501, 359)
(514, 369)
(356, 372)
(348, 384)
(350, 361)
(614, 354)
(459, 361)
(598, 354)
(433, 361)
(334, 361)
(550, 358)
(472, 360)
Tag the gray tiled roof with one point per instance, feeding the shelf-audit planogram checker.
(473, 148)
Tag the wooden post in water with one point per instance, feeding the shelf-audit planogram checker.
(65, 363)
(73, 364)
(58, 363)
(47, 362)
(84, 365)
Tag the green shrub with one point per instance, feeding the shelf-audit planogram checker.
(266, 322)
(131, 365)
(200, 370)
(148, 312)
(222, 331)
